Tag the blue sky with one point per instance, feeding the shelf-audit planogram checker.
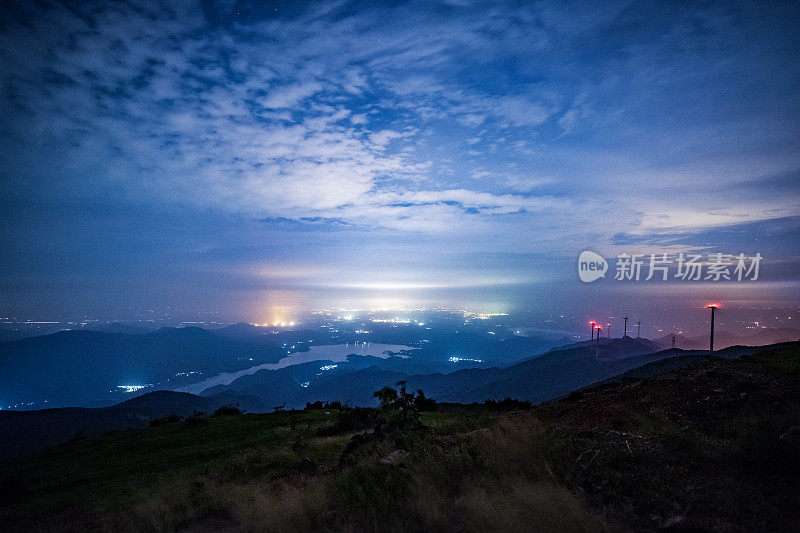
(234, 156)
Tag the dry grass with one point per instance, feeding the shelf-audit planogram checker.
(493, 479)
(488, 479)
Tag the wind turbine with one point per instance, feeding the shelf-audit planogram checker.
(713, 307)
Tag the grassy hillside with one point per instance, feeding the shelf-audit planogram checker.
(714, 446)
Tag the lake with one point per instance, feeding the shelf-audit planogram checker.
(332, 352)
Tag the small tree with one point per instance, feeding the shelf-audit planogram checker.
(401, 406)
(387, 396)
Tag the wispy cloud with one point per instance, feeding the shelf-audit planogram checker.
(524, 128)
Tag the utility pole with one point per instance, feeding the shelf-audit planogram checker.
(638, 328)
(625, 333)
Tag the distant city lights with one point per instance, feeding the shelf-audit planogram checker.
(275, 325)
(132, 388)
(395, 320)
(482, 316)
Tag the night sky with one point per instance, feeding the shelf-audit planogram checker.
(233, 156)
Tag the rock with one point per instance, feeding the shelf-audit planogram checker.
(394, 458)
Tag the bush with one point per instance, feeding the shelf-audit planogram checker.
(351, 420)
(506, 405)
(165, 420)
(402, 406)
(196, 420)
(424, 403)
(228, 410)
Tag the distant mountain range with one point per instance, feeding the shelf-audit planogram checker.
(96, 369)
(86, 367)
(537, 379)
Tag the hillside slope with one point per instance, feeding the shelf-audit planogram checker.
(714, 446)
(27, 431)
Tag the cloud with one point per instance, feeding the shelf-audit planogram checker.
(362, 115)
(289, 96)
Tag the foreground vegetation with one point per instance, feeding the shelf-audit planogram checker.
(712, 447)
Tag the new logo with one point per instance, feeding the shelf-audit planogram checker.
(591, 266)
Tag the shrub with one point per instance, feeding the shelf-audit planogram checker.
(402, 406)
(165, 420)
(228, 410)
(506, 405)
(351, 420)
(196, 420)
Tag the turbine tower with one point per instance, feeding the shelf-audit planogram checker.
(713, 307)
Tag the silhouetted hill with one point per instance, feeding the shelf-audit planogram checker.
(675, 359)
(85, 367)
(123, 327)
(538, 378)
(558, 372)
(723, 339)
(26, 431)
(617, 346)
(440, 346)
(9, 334)
(240, 330)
